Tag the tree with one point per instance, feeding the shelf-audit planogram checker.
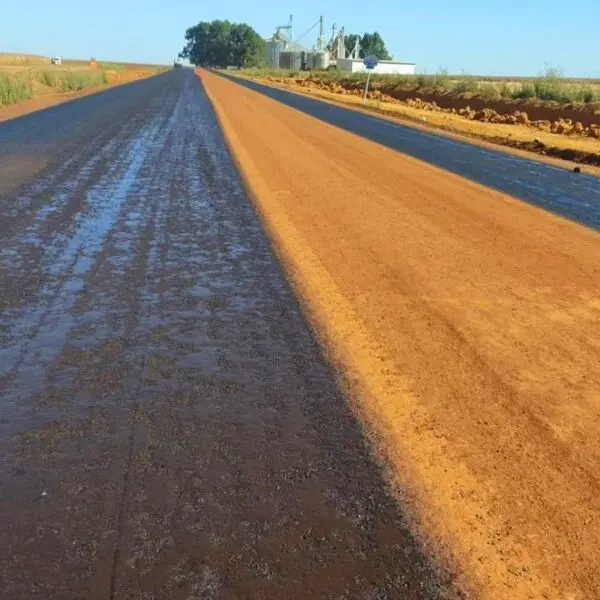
(196, 48)
(350, 42)
(223, 44)
(247, 47)
(370, 44)
(219, 43)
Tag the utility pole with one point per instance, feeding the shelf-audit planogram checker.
(341, 53)
(321, 35)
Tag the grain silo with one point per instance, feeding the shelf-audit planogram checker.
(274, 48)
(277, 43)
(320, 60)
(291, 57)
(285, 52)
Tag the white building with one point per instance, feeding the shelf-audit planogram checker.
(384, 67)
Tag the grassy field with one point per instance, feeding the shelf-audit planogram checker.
(21, 60)
(24, 76)
(548, 86)
(24, 84)
(112, 67)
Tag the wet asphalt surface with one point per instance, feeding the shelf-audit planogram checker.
(168, 425)
(571, 195)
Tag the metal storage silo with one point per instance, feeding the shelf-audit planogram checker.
(274, 49)
(290, 60)
(320, 61)
(309, 60)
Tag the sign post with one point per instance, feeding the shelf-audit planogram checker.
(370, 63)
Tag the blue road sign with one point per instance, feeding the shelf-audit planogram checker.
(371, 62)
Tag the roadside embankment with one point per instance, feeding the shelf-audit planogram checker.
(565, 131)
(28, 84)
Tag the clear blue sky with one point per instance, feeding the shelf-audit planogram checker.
(511, 37)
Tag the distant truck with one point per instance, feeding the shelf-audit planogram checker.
(56, 60)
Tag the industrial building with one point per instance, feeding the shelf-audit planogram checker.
(286, 52)
(384, 67)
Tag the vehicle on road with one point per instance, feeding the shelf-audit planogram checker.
(56, 60)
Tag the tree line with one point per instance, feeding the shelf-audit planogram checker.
(371, 44)
(223, 44)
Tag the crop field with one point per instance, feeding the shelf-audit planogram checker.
(23, 77)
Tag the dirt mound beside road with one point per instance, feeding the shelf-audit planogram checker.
(538, 110)
(584, 119)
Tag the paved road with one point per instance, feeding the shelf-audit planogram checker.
(55, 135)
(471, 323)
(571, 195)
(168, 426)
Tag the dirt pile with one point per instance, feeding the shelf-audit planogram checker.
(489, 115)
